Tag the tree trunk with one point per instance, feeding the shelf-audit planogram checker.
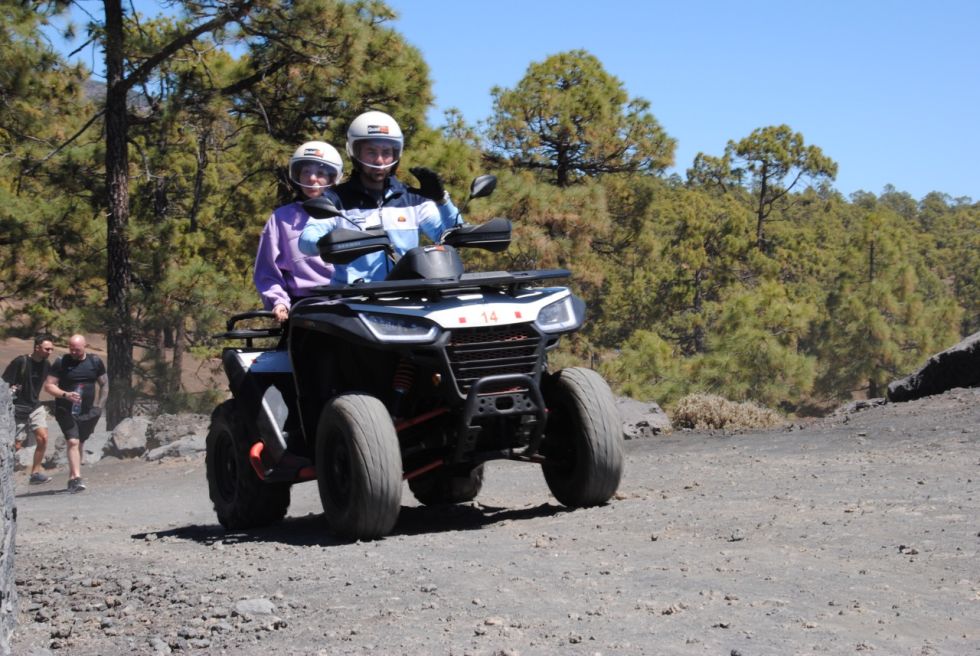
(202, 165)
(700, 338)
(760, 212)
(177, 366)
(871, 262)
(119, 331)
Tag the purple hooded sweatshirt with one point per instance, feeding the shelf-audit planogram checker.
(281, 270)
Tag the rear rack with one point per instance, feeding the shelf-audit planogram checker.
(248, 334)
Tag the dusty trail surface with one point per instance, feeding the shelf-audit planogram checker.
(857, 533)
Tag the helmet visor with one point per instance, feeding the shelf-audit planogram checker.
(381, 154)
(311, 174)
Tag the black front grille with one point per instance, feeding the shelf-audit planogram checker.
(477, 352)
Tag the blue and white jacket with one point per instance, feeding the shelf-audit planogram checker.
(402, 213)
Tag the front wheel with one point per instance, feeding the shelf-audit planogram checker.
(583, 439)
(241, 499)
(358, 467)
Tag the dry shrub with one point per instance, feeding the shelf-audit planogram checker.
(704, 411)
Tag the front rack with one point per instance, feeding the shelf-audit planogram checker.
(476, 280)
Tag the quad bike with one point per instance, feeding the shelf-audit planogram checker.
(422, 377)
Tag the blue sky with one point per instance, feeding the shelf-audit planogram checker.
(889, 90)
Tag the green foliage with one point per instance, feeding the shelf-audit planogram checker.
(453, 151)
(569, 117)
(552, 227)
(648, 367)
(51, 242)
(886, 312)
(769, 163)
(955, 227)
(754, 280)
(703, 257)
(753, 350)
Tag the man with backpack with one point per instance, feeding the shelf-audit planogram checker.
(78, 404)
(26, 375)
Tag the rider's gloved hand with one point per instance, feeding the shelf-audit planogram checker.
(430, 184)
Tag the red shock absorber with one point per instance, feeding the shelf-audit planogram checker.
(401, 383)
(404, 376)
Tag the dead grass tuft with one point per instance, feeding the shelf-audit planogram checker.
(706, 411)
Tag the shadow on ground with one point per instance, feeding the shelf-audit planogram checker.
(311, 530)
(47, 492)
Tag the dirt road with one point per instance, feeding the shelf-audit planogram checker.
(850, 534)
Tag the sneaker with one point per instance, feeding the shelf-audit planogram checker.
(75, 485)
(39, 478)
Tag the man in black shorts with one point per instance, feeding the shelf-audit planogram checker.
(78, 404)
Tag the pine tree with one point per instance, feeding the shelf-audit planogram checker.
(310, 66)
(754, 348)
(50, 246)
(886, 313)
(569, 118)
(768, 163)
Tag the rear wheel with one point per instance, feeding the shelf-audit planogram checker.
(447, 485)
(241, 499)
(359, 467)
(583, 439)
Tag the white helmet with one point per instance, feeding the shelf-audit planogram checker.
(319, 153)
(371, 126)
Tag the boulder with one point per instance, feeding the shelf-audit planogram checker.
(186, 446)
(858, 406)
(94, 447)
(642, 418)
(957, 366)
(166, 429)
(128, 438)
(24, 458)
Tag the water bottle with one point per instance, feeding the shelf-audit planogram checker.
(76, 406)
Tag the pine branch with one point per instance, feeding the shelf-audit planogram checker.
(68, 142)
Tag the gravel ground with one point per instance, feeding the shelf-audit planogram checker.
(855, 533)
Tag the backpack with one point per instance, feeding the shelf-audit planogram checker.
(23, 409)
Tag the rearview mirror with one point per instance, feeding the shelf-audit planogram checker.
(483, 186)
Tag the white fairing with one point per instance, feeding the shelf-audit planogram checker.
(265, 362)
(473, 310)
(272, 419)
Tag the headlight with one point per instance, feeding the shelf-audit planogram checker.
(558, 316)
(396, 328)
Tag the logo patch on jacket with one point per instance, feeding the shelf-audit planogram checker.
(402, 219)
